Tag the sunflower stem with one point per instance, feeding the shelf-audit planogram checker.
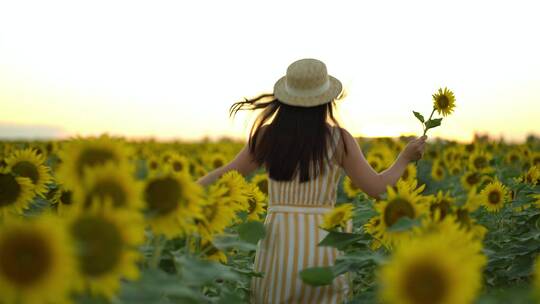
(156, 257)
(430, 116)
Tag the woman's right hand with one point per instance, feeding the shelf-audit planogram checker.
(415, 149)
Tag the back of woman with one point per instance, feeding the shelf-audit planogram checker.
(304, 151)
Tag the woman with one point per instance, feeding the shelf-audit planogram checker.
(304, 151)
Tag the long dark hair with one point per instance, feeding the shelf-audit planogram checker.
(294, 141)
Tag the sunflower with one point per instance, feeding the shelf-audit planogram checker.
(261, 180)
(16, 193)
(81, 153)
(256, 201)
(236, 187)
(480, 161)
(27, 163)
(428, 269)
(513, 157)
(441, 205)
(444, 102)
(338, 217)
(153, 164)
(172, 202)
(410, 173)
(437, 171)
(217, 214)
(531, 177)
(372, 228)
(210, 252)
(107, 239)
(63, 199)
(109, 181)
(404, 201)
(471, 179)
(494, 196)
(376, 163)
(217, 160)
(36, 261)
(350, 189)
(179, 163)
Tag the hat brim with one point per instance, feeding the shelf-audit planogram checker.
(283, 95)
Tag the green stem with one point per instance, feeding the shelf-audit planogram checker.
(425, 129)
(154, 262)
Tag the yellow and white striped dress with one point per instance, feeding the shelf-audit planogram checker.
(295, 211)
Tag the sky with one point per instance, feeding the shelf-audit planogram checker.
(171, 69)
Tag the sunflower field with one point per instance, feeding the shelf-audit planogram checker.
(110, 220)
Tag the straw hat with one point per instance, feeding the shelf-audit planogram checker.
(307, 84)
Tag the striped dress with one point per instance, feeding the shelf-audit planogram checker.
(295, 211)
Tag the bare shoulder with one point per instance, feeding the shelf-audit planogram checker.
(345, 140)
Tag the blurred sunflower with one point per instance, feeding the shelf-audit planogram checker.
(236, 187)
(338, 217)
(261, 180)
(217, 160)
(410, 173)
(372, 228)
(153, 163)
(531, 177)
(480, 161)
(444, 102)
(27, 163)
(179, 164)
(437, 170)
(405, 201)
(471, 179)
(474, 200)
(349, 188)
(429, 270)
(109, 181)
(494, 196)
(107, 239)
(172, 202)
(441, 205)
(16, 193)
(217, 214)
(376, 163)
(62, 199)
(256, 201)
(210, 252)
(36, 261)
(513, 157)
(82, 153)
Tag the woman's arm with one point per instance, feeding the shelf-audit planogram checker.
(365, 177)
(243, 163)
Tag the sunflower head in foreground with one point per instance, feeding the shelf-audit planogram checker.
(172, 203)
(28, 163)
(82, 153)
(236, 189)
(261, 180)
(349, 188)
(427, 269)
(107, 239)
(36, 261)
(494, 196)
(338, 217)
(404, 201)
(16, 193)
(216, 213)
(444, 102)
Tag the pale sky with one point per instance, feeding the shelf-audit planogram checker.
(173, 68)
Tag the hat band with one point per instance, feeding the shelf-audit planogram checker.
(308, 92)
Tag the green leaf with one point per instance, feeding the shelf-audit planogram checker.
(404, 223)
(340, 240)
(251, 231)
(419, 116)
(317, 276)
(432, 123)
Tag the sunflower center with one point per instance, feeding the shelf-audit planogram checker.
(65, 197)
(25, 258)
(263, 186)
(107, 188)
(92, 157)
(218, 163)
(153, 165)
(163, 195)
(177, 166)
(494, 197)
(397, 209)
(405, 174)
(473, 179)
(480, 162)
(443, 102)
(26, 169)
(9, 189)
(100, 244)
(425, 284)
